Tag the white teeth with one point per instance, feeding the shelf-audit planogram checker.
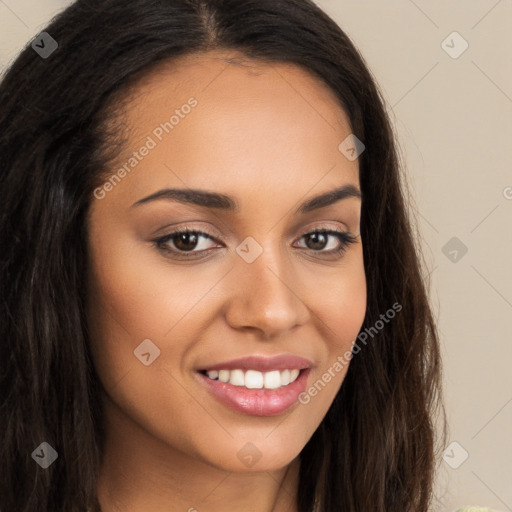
(293, 375)
(254, 379)
(237, 378)
(224, 375)
(272, 380)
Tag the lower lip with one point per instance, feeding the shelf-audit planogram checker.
(258, 402)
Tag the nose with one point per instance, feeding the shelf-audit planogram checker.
(265, 297)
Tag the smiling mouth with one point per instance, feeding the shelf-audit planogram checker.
(254, 379)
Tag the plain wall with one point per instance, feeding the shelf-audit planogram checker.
(453, 119)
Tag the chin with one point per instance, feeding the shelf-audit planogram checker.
(253, 457)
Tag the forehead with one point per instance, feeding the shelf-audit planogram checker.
(218, 75)
(231, 87)
(263, 123)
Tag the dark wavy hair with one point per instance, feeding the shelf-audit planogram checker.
(376, 448)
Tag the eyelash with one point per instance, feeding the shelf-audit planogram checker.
(344, 237)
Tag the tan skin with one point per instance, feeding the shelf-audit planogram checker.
(267, 136)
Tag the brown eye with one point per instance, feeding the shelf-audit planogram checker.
(188, 244)
(318, 240)
(184, 241)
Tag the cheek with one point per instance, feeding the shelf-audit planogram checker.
(344, 309)
(144, 292)
(135, 294)
(340, 308)
(339, 300)
(134, 298)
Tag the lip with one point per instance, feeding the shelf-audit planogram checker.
(257, 402)
(262, 364)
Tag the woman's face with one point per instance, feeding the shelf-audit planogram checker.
(257, 284)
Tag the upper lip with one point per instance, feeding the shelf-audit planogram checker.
(262, 364)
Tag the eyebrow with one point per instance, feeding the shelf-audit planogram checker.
(224, 202)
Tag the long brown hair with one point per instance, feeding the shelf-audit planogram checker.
(376, 449)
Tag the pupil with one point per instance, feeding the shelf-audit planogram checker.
(183, 237)
(315, 237)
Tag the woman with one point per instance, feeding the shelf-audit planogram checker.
(212, 296)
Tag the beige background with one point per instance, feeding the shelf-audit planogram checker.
(454, 124)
